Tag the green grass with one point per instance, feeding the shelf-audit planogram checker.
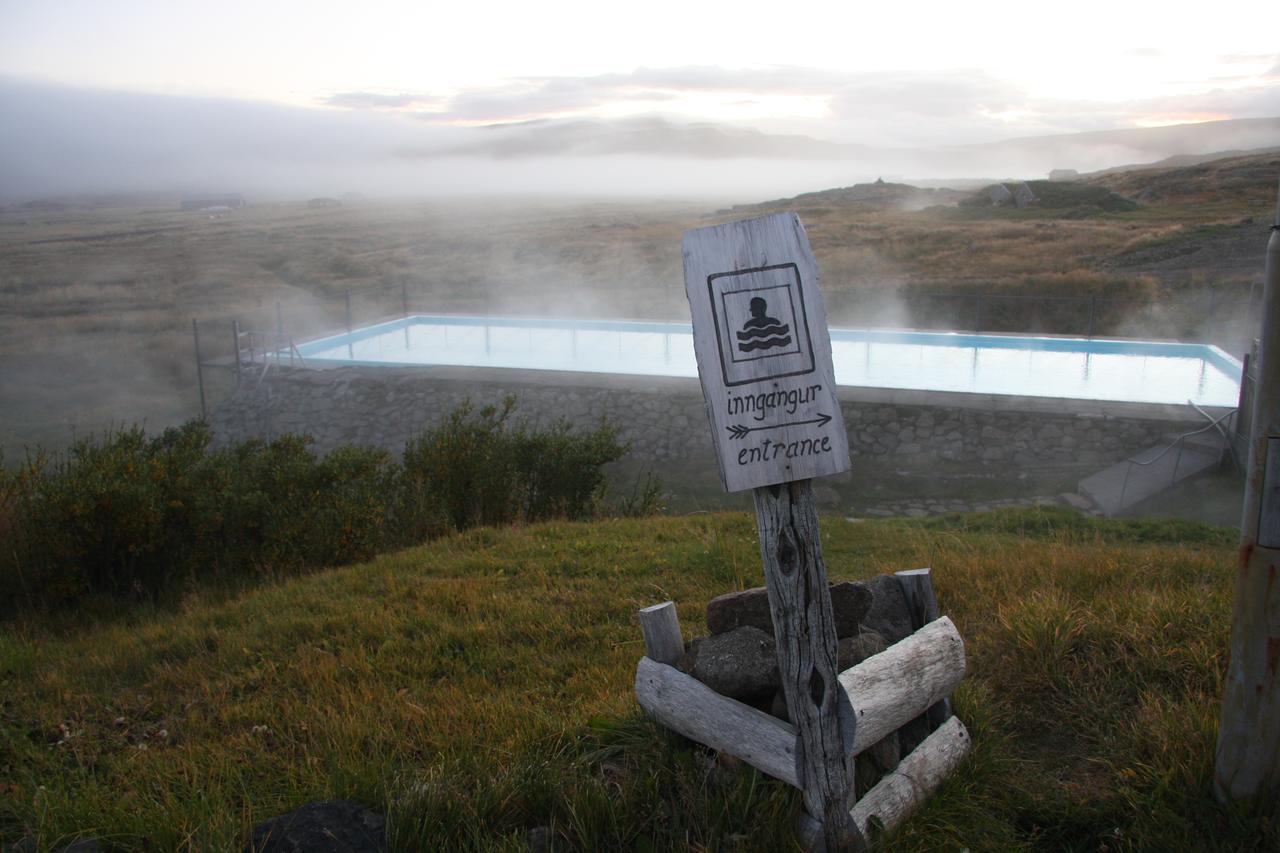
(481, 685)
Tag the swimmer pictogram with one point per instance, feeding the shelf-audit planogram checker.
(761, 326)
(762, 332)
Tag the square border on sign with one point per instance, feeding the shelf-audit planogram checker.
(804, 318)
(791, 303)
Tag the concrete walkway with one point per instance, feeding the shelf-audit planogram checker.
(1150, 472)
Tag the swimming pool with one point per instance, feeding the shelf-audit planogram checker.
(1071, 368)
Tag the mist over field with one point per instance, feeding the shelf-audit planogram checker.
(61, 140)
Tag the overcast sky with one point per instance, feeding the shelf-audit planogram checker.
(895, 74)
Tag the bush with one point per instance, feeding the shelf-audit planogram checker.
(130, 514)
(481, 468)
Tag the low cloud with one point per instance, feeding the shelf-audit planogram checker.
(380, 101)
(932, 94)
(62, 140)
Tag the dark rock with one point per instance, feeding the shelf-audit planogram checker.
(741, 663)
(889, 615)
(886, 752)
(866, 772)
(690, 656)
(778, 707)
(849, 602)
(854, 650)
(736, 609)
(913, 733)
(325, 826)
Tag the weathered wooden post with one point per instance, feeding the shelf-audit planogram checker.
(1247, 765)
(235, 353)
(195, 333)
(404, 310)
(350, 348)
(764, 358)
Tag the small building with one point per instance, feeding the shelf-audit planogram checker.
(213, 201)
(1000, 195)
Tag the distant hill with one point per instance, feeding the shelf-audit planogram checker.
(878, 195)
(1179, 160)
(1250, 179)
(1082, 150)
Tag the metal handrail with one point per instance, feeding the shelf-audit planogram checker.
(1214, 423)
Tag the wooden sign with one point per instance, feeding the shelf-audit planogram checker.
(764, 353)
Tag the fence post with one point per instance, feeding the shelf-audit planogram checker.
(350, 349)
(195, 333)
(1093, 312)
(235, 333)
(404, 310)
(1212, 327)
(1247, 759)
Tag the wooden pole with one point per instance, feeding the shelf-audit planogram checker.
(404, 310)
(805, 633)
(350, 349)
(1247, 765)
(195, 333)
(235, 333)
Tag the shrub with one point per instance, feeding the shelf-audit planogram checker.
(125, 513)
(479, 467)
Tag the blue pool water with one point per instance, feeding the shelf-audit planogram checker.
(1074, 368)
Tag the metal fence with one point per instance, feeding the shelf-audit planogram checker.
(245, 346)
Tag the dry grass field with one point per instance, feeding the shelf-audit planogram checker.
(97, 296)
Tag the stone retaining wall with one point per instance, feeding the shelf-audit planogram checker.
(664, 419)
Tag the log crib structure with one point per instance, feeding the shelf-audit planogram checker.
(911, 678)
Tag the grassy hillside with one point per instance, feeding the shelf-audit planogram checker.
(481, 686)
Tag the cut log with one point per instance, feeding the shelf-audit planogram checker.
(917, 777)
(661, 628)
(686, 705)
(917, 586)
(894, 687)
(886, 690)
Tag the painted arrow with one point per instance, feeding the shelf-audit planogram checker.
(740, 431)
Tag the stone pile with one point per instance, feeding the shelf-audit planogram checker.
(738, 657)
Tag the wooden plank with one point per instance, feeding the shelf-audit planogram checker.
(685, 705)
(661, 628)
(764, 353)
(917, 586)
(805, 635)
(892, 688)
(887, 806)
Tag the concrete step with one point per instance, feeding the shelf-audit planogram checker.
(1126, 483)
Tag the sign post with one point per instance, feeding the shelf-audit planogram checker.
(764, 358)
